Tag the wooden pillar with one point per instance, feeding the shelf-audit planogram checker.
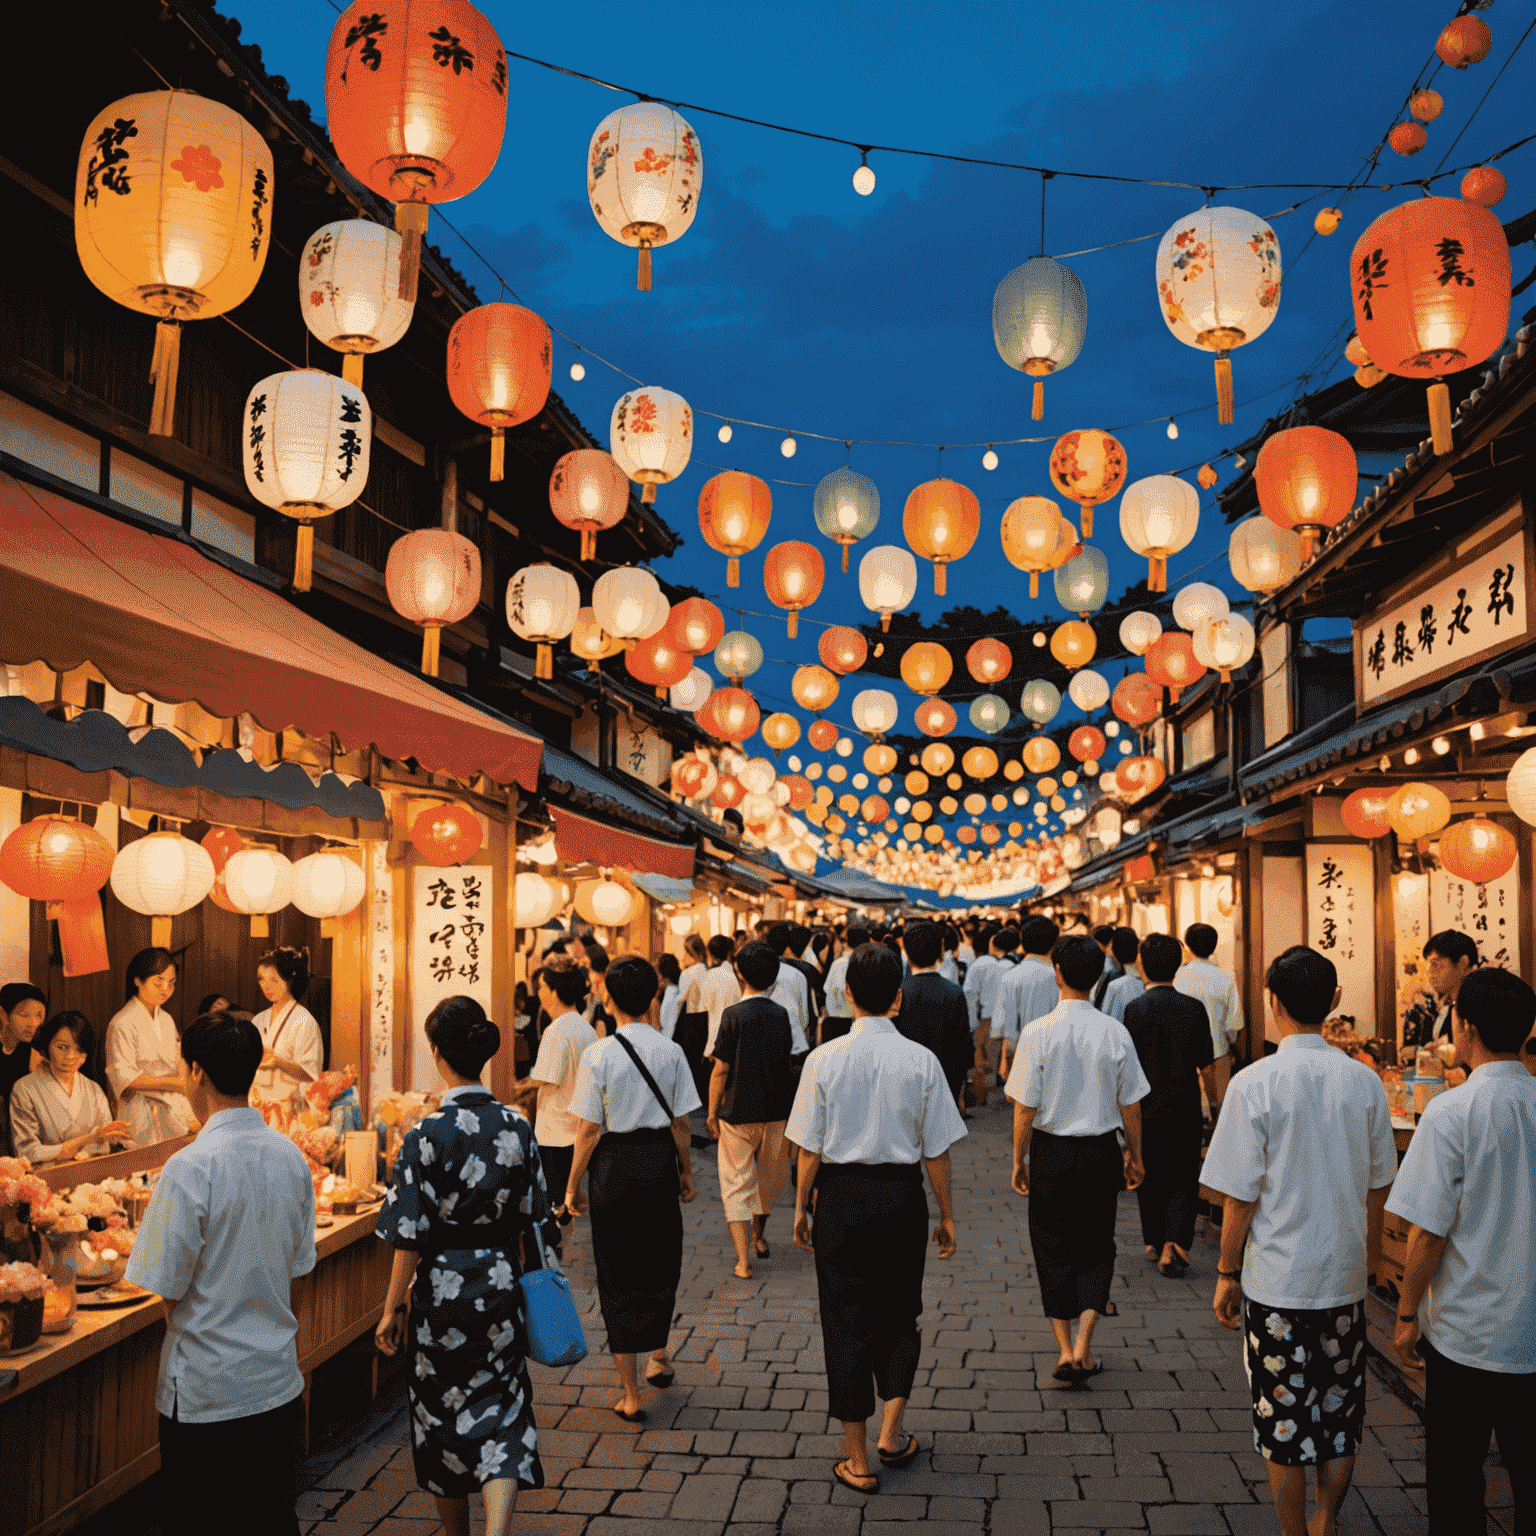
(1386, 942)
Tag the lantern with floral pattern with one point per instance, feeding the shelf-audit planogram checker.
(644, 171)
(650, 435)
(1088, 467)
(349, 278)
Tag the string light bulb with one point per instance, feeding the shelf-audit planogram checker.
(578, 371)
(1040, 638)
(989, 459)
(864, 178)
(1173, 429)
(788, 447)
(1441, 745)
(724, 434)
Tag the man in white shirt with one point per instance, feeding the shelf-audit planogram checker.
(562, 988)
(1076, 1082)
(1468, 1189)
(1450, 957)
(692, 1017)
(839, 1019)
(948, 969)
(1303, 1154)
(872, 1109)
(718, 990)
(1129, 984)
(982, 985)
(1217, 989)
(230, 1228)
(1028, 991)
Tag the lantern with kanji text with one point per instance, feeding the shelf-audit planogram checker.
(543, 606)
(588, 492)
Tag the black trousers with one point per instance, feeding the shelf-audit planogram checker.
(871, 1240)
(1074, 1182)
(236, 1475)
(691, 1035)
(1170, 1151)
(1463, 1409)
(633, 1203)
(556, 1162)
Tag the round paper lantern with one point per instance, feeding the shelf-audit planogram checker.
(650, 435)
(792, 577)
(173, 214)
(1082, 583)
(1354, 352)
(220, 843)
(535, 899)
(842, 649)
(696, 625)
(56, 859)
(980, 763)
(1417, 810)
(655, 660)
(1408, 138)
(1040, 700)
(758, 812)
(591, 642)
(349, 282)
(1364, 813)
(589, 492)
(1171, 663)
(1484, 185)
(728, 793)
(433, 579)
(734, 509)
(738, 655)
(989, 714)
(847, 507)
(822, 736)
(305, 444)
(988, 661)
(258, 882)
(1520, 787)
(1223, 644)
(938, 757)
(926, 667)
(1198, 604)
(498, 370)
(1264, 556)
(879, 758)
(1087, 467)
(758, 776)
(1426, 105)
(447, 834)
(1139, 776)
(1073, 644)
(543, 604)
(1431, 293)
(1138, 630)
(645, 168)
(1041, 754)
(628, 603)
(693, 777)
(1088, 690)
(1306, 479)
(940, 523)
(813, 688)
(1086, 743)
(605, 903)
(1039, 321)
(1136, 699)
(1158, 517)
(874, 711)
(781, 731)
(161, 876)
(874, 809)
(935, 717)
(1218, 280)
(327, 884)
(1036, 537)
(800, 792)
(1465, 40)
(730, 714)
(887, 580)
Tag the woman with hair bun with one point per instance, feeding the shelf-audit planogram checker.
(295, 1052)
(144, 1053)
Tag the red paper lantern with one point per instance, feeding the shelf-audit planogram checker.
(447, 834)
(800, 792)
(727, 793)
(792, 577)
(696, 625)
(935, 718)
(822, 735)
(1136, 699)
(729, 714)
(1477, 849)
(1086, 743)
(55, 859)
(1138, 776)
(588, 492)
(657, 660)
(1171, 662)
(1465, 40)
(689, 776)
(1408, 138)
(842, 649)
(1364, 813)
(1484, 185)
(498, 370)
(989, 661)
(1306, 478)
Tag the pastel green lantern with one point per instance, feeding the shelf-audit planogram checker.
(738, 655)
(847, 507)
(1082, 583)
(1040, 700)
(989, 714)
(1039, 321)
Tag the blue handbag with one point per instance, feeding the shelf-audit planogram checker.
(555, 1335)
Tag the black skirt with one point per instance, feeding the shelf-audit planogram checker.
(636, 1212)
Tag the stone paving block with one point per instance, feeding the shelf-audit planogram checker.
(762, 1442)
(725, 1466)
(808, 1491)
(893, 1506)
(1014, 1517)
(616, 1479)
(371, 1504)
(1203, 1479)
(1186, 1520)
(1099, 1515)
(874, 1527)
(584, 1501)
(1143, 1490)
(705, 1497)
(759, 1499)
(972, 1511)
(820, 1520)
(611, 1525)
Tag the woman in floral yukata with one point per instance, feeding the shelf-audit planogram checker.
(467, 1187)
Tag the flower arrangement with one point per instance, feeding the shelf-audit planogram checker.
(21, 1282)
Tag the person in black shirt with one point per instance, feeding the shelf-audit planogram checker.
(750, 1093)
(22, 1010)
(1172, 1035)
(933, 1010)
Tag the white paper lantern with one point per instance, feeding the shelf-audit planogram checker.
(1264, 557)
(161, 876)
(535, 900)
(650, 436)
(1158, 517)
(874, 713)
(542, 606)
(1197, 604)
(605, 903)
(258, 882)
(305, 439)
(692, 691)
(433, 579)
(1223, 644)
(1138, 631)
(887, 580)
(644, 171)
(349, 279)
(1520, 787)
(624, 601)
(757, 776)
(1039, 321)
(738, 655)
(327, 884)
(1088, 690)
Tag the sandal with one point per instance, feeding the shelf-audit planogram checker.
(854, 1481)
(760, 1249)
(639, 1416)
(901, 1458)
(1065, 1371)
(662, 1379)
(1080, 1375)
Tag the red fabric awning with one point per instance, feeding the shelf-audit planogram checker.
(580, 840)
(159, 618)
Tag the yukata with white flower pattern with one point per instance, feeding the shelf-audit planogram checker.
(468, 1174)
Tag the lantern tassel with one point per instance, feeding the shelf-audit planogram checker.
(794, 625)
(411, 225)
(1087, 524)
(1308, 544)
(1037, 409)
(160, 932)
(589, 543)
(1440, 416)
(544, 662)
(1224, 388)
(643, 273)
(162, 371)
(431, 646)
(733, 572)
(648, 495)
(1034, 583)
(498, 453)
(938, 578)
(352, 368)
(845, 559)
(885, 624)
(303, 560)
(1157, 574)
(661, 693)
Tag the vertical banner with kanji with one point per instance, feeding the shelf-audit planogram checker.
(1488, 914)
(1341, 923)
(450, 948)
(381, 970)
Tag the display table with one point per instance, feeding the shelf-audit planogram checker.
(84, 1401)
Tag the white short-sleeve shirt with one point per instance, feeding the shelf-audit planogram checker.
(613, 1096)
(1027, 992)
(1217, 989)
(718, 990)
(839, 1006)
(688, 986)
(1122, 990)
(1075, 1068)
(792, 992)
(1307, 1134)
(560, 1052)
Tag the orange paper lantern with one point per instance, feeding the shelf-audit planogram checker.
(938, 757)
(1073, 644)
(690, 776)
(1086, 743)
(935, 718)
(1088, 467)
(792, 577)
(447, 834)
(1417, 810)
(1484, 186)
(842, 648)
(874, 809)
(940, 523)
(498, 370)
(989, 661)
(696, 625)
(1465, 40)
(1478, 850)
(727, 793)
(980, 762)
(1171, 662)
(822, 735)
(658, 660)
(1036, 537)
(589, 492)
(780, 731)
(1206, 476)
(1306, 478)
(1364, 813)
(1041, 754)
(729, 714)
(1138, 776)
(734, 509)
(800, 791)
(1426, 105)
(926, 667)
(1408, 138)
(813, 688)
(220, 844)
(1136, 699)
(56, 859)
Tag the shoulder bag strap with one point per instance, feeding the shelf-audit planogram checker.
(650, 1082)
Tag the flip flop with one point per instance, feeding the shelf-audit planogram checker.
(852, 1480)
(1096, 1369)
(639, 1416)
(661, 1380)
(897, 1459)
(1065, 1371)
(761, 1250)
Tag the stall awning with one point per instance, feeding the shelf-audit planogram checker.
(581, 840)
(664, 887)
(159, 618)
(593, 788)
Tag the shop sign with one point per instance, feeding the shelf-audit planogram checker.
(1488, 914)
(1466, 608)
(381, 968)
(1341, 923)
(642, 752)
(450, 937)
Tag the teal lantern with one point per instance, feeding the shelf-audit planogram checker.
(1082, 583)
(1039, 321)
(1040, 700)
(847, 507)
(738, 655)
(989, 713)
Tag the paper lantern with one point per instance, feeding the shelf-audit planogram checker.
(650, 435)
(1364, 813)
(1306, 479)
(1484, 185)
(989, 714)
(734, 509)
(1431, 292)
(800, 792)
(1036, 537)
(1088, 690)
(935, 717)
(1264, 556)
(1082, 583)
(1218, 280)
(645, 168)
(160, 876)
(874, 809)
(781, 731)
(55, 859)
(1136, 698)
(416, 105)
(606, 903)
(1040, 700)
(1086, 743)
(847, 507)
(1139, 776)
(498, 370)
(305, 443)
(758, 776)
(656, 661)
(1158, 517)
(1198, 604)
(980, 763)
(696, 625)
(738, 655)
(989, 661)
(1417, 810)
(219, 843)
(1171, 663)
(813, 688)
(842, 649)
(926, 666)
(727, 794)
(1426, 105)
(937, 757)
(1206, 475)
(1520, 787)
(433, 579)
(447, 834)
(792, 578)
(879, 758)
(628, 603)
(589, 492)
(535, 900)
(543, 606)
(173, 214)
(693, 777)
(1041, 754)
(822, 735)
(349, 281)
(327, 885)
(1087, 467)
(591, 642)
(887, 580)
(730, 714)
(1408, 138)
(940, 523)
(1139, 630)
(1223, 644)
(1073, 644)
(1039, 321)
(1327, 220)
(257, 883)
(874, 711)
(1465, 40)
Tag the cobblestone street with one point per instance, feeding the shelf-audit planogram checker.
(1160, 1442)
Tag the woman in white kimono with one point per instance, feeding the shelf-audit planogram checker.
(57, 1112)
(295, 1051)
(144, 1053)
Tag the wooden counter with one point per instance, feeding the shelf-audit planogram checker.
(80, 1416)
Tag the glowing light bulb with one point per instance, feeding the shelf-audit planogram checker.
(864, 181)
(788, 447)
(989, 459)
(724, 434)
(1441, 745)
(1040, 638)
(578, 371)
(1173, 429)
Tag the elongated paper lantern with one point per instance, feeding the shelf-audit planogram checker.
(813, 688)
(1478, 850)
(842, 649)
(940, 523)
(433, 579)
(327, 884)
(498, 370)
(173, 216)
(1036, 537)
(349, 277)
(1171, 663)
(734, 509)
(1264, 556)
(161, 876)
(1223, 644)
(887, 580)
(645, 168)
(1082, 583)
(1039, 321)
(1158, 517)
(629, 604)
(1088, 690)
(1088, 467)
(926, 667)
(1306, 478)
(738, 655)
(650, 435)
(543, 604)
(588, 492)
(591, 642)
(792, 577)
(935, 717)
(1040, 700)
(847, 507)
